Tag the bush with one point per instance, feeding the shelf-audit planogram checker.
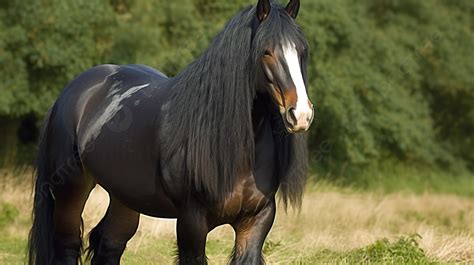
(405, 250)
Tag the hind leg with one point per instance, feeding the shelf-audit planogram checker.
(109, 238)
(70, 193)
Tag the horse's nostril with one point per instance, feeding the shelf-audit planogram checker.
(291, 117)
(311, 117)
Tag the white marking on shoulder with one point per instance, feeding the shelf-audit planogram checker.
(109, 112)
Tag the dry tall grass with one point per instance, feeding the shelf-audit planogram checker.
(329, 219)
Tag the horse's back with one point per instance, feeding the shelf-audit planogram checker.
(147, 69)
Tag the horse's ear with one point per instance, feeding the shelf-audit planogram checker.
(293, 7)
(263, 9)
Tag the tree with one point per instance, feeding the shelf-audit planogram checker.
(392, 80)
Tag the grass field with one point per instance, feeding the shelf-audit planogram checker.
(335, 226)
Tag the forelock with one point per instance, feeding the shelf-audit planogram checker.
(277, 29)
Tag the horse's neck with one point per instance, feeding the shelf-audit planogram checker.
(260, 114)
(264, 115)
(265, 147)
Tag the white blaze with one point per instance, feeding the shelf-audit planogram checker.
(303, 111)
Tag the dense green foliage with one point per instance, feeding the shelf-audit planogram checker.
(391, 79)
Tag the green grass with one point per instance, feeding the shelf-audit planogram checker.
(403, 251)
(8, 214)
(158, 252)
(420, 182)
(12, 250)
(288, 243)
(392, 177)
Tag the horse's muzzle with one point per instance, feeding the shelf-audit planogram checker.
(299, 120)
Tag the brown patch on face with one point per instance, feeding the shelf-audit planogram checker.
(277, 96)
(290, 97)
(285, 96)
(270, 64)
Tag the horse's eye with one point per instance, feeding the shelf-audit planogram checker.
(267, 53)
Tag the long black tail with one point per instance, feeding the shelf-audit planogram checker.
(41, 238)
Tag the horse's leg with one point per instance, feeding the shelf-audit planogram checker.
(250, 236)
(107, 241)
(70, 198)
(192, 228)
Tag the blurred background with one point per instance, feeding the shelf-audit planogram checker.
(392, 81)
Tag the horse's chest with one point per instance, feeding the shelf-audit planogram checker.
(246, 199)
(251, 193)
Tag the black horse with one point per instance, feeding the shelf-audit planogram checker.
(210, 146)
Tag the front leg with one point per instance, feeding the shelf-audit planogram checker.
(251, 232)
(191, 229)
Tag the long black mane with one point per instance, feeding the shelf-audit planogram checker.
(212, 100)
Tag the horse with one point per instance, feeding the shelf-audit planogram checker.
(219, 143)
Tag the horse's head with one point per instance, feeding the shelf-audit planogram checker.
(281, 54)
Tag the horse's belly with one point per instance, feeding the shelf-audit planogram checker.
(127, 168)
(141, 194)
(156, 204)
